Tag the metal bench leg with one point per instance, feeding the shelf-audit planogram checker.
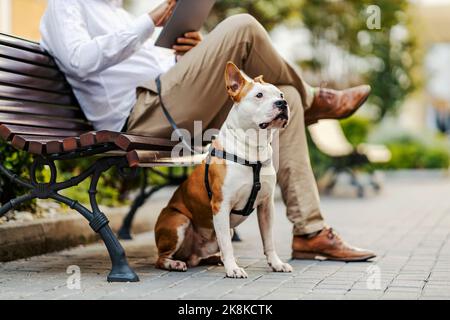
(333, 172)
(376, 185)
(120, 271)
(355, 182)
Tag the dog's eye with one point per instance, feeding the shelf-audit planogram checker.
(282, 96)
(259, 95)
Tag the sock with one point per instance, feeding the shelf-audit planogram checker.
(310, 92)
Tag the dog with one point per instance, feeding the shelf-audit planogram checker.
(195, 227)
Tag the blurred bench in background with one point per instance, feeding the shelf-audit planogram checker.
(330, 139)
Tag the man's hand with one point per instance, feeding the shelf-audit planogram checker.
(186, 43)
(162, 13)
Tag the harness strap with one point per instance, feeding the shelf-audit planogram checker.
(256, 166)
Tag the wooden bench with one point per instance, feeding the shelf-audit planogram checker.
(39, 114)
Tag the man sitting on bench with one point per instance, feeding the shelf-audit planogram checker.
(106, 55)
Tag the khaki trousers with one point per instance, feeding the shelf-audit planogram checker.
(194, 90)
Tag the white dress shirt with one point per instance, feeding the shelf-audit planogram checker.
(105, 53)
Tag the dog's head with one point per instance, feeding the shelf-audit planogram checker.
(259, 105)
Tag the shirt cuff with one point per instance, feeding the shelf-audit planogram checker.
(144, 27)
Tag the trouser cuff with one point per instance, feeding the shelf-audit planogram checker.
(301, 230)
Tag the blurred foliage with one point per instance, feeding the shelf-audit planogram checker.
(268, 12)
(17, 162)
(413, 154)
(357, 129)
(414, 151)
(390, 51)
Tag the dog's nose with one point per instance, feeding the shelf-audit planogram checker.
(281, 104)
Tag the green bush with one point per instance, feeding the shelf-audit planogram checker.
(17, 162)
(357, 129)
(412, 153)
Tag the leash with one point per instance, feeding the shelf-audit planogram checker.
(256, 166)
(170, 119)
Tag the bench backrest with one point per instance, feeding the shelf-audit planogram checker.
(35, 97)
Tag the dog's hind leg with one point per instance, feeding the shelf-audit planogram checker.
(170, 233)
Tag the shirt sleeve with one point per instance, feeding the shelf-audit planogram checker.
(82, 55)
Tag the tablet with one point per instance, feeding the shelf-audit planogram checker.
(188, 15)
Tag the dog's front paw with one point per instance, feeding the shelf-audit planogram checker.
(281, 267)
(236, 273)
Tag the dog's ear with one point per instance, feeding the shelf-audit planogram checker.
(234, 80)
(259, 79)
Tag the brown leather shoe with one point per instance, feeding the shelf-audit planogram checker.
(334, 104)
(327, 245)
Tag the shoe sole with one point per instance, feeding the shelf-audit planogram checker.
(321, 257)
(356, 109)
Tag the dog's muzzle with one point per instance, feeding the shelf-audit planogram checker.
(283, 115)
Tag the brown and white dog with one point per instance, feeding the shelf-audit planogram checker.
(193, 228)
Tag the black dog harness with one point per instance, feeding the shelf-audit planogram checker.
(256, 166)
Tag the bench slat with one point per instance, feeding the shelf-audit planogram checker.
(38, 144)
(11, 92)
(7, 131)
(71, 144)
(26, 56)
(44, 109)
(56, 86)
(21, 43)
(129, 142)
(43, 122)
(126, 142)
(97, 137)
(30, 69)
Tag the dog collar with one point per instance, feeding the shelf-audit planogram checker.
(255, 165)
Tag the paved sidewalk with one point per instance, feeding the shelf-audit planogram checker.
(408, 225)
